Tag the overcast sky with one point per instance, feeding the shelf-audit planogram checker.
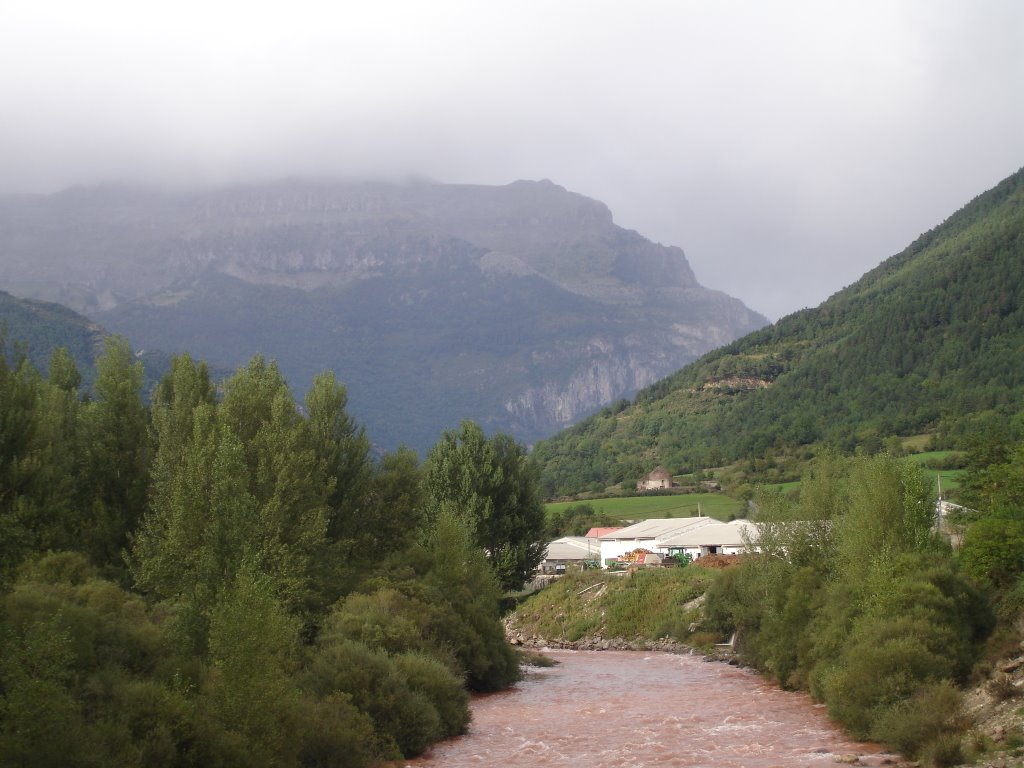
(787, 147)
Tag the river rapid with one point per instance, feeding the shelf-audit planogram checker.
(613, 709)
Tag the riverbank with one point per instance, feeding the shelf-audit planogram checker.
(579, 616)
(530, 642)
(994, 706)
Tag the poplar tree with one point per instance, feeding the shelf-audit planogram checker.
(491, 485)
(116, 454)
(18, 427)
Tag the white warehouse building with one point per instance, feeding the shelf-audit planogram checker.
(714, 539)
(647, 534)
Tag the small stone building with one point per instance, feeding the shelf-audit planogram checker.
(657, 479)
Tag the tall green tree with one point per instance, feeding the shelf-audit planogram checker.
(341, 452)
(342, 448)
(993, 545)
(183, 388)
(201, 525)
(286, 478)
(58, 451)
(116, 455)
(243, 487)
(19, 425)
(492, 485)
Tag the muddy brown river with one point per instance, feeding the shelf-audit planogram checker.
(619, 709)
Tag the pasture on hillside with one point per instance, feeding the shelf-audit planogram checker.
(950, 478)
(715, 505)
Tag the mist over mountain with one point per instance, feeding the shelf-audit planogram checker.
(522, 306)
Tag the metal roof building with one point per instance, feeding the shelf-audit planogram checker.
(647, 534)
(716, 538)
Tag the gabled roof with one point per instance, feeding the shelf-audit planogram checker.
(658, 528)
(573, 548)
(596, 533)
(714, 535)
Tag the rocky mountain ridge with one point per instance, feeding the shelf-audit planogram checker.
(522, 306)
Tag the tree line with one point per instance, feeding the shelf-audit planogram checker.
(223, 576)
(855, 597)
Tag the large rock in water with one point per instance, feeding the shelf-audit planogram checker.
(523, 307)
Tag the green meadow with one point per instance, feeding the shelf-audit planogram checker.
(950, 478)
(720, 506)
(715, 505)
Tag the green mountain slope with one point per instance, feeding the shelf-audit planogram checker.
(36, 328)
(930, 338)
(39, 327)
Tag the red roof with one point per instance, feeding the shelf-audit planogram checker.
(596, 533)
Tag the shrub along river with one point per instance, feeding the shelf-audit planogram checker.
(613, 709)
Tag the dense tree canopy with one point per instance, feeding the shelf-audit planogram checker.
(490, 483)
(230, 580)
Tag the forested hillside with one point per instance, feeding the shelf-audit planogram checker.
(931, 340)
(39, 327)
(36, 329)
(235, 580)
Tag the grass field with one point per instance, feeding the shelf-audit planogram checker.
(720, 506)
(924, 456)
(783, 487)
(643, 507)
(950, 477)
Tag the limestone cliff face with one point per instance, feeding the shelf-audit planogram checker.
(606, 369)
(523, 306)
(604, 375)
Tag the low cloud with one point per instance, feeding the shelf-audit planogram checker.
(786, 147)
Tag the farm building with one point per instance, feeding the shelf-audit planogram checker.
(567, 551)
(657, 479)
(647, 534)
(713, 539)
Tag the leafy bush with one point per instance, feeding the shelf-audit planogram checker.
(946, 749)
(993, 550)
(913, 725)
(444, 690)
(332, 733)
(404, 719)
